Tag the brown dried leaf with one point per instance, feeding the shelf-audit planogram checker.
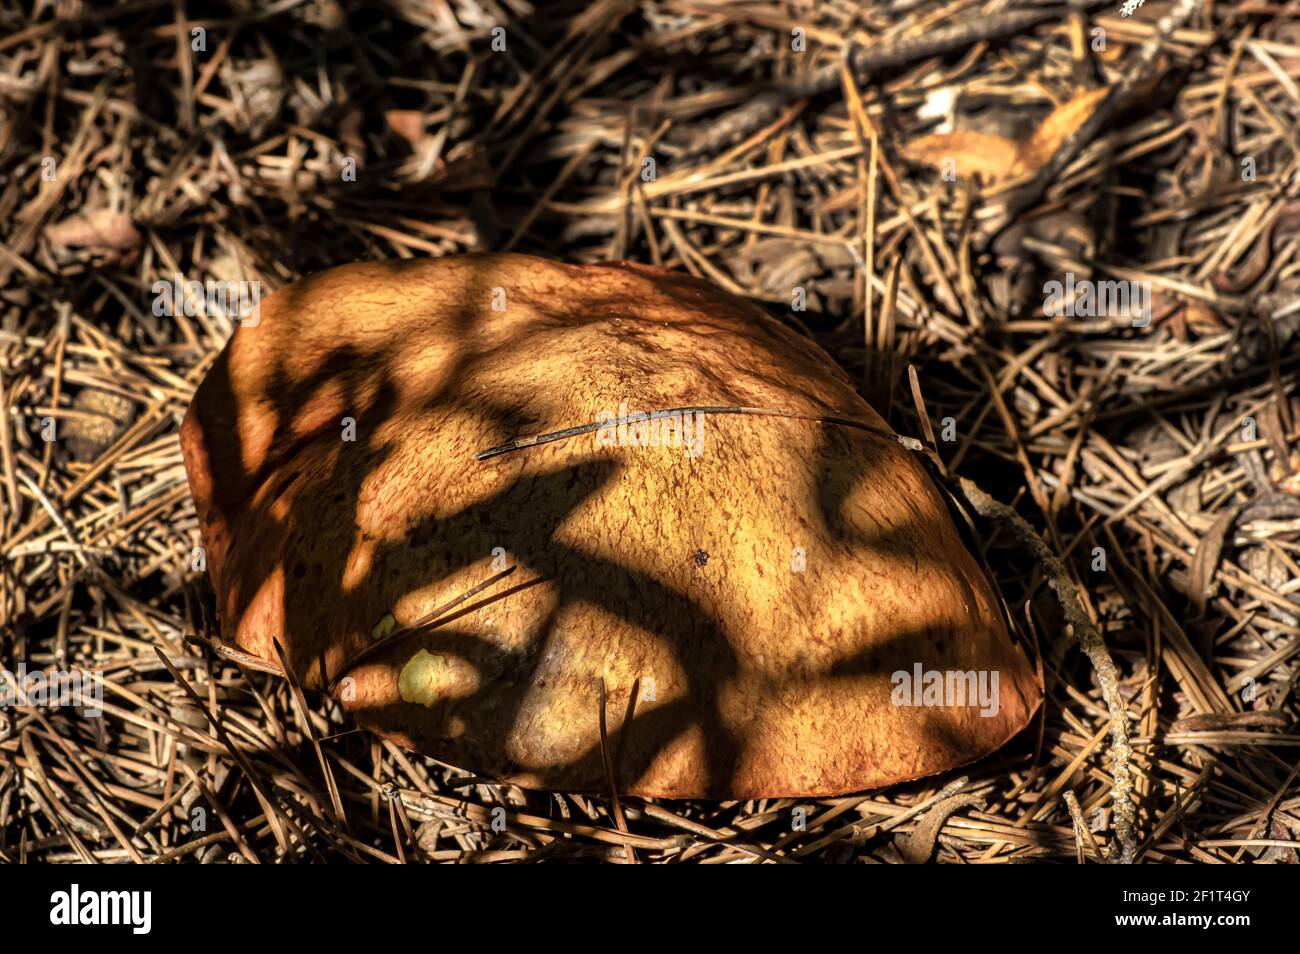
(917, 848)
(1228, 721)
(975, 153)
(463, 169)
(1060, 125)
(1206, 559)
(1203, 319)
(407, 123)
(99, 228)
(994, 157)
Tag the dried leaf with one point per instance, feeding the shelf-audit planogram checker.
(995, 157)
(1063, 123)
(1227, 721)
(917, 848)
(463, 169)
(1206, 559)
(407, 123)
(104, 416)
(99, 228)
(975, 153)
(1201, 318)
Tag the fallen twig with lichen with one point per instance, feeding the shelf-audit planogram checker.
(1082, 628)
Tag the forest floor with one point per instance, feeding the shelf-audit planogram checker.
(902, 181)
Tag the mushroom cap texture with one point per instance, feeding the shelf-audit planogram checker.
(760, 594)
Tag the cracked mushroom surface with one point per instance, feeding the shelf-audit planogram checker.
(759, 582)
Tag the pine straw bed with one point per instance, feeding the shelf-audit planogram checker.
(1168, 448)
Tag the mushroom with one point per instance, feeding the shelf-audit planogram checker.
(463, 496)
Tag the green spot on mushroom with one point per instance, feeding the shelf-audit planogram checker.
(421, 678)
(383, 627)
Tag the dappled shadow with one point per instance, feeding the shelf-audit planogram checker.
(295, 491)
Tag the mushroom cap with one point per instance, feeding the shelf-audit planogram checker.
(763, 595)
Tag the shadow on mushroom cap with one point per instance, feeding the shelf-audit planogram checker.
(767, 679)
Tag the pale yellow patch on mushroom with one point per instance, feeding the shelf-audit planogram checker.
(429, 678)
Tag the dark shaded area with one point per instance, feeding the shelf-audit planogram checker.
(451, 544)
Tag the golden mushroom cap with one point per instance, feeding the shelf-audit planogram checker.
(764, 582)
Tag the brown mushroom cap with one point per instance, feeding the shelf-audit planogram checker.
(763, 592)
